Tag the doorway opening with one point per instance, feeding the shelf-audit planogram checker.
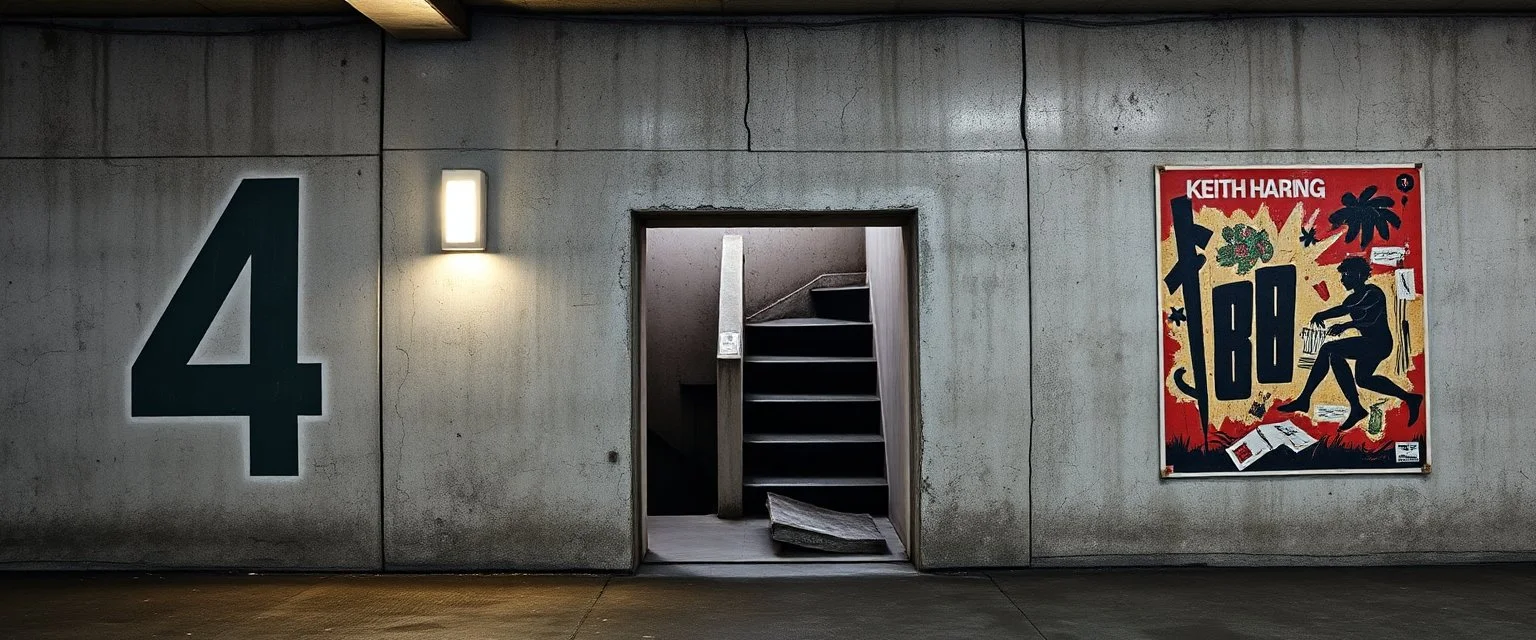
(788, 372)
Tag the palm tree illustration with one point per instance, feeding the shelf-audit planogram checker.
(1367, 216)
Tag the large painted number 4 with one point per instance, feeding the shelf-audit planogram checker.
(260, 225)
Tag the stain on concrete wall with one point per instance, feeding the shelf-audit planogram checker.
(295, 92)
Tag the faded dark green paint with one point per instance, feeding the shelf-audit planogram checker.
(260, 225)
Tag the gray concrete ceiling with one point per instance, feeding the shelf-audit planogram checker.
(250, 7)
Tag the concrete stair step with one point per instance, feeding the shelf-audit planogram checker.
(813, 438)
(786, 323)
(805, 374)
(810, 360)
(815, 481)
(845, 303)
(811, 397)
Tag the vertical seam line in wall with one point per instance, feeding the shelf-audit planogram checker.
(1029, 267)
(383, 43)
(746, 107)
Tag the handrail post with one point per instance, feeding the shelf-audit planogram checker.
(728, 389)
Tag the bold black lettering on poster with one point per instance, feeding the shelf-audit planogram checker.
(1275, 322)
(1232, 317)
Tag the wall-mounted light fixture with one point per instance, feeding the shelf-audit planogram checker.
(463, 210)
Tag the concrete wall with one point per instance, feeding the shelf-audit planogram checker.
(682, 282)
(889, 308)
(520, 353)
(120, 152)
(507, 409)
(516, 365)
(1105, 106)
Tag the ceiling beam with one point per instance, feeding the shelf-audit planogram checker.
(417, 19)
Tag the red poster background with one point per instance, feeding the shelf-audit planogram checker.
(1351, 450)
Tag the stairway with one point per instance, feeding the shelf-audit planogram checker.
(811, 410)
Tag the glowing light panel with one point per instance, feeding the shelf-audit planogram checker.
(463, 210)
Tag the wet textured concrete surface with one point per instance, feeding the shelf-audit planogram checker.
(482, 408)
(750, 601)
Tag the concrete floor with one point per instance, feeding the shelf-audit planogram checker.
(687, 539)
(847, 601)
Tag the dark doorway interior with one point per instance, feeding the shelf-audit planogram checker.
(682, 482)
(817, 411)
(682, 278)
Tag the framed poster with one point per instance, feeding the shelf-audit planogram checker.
(1292, 319)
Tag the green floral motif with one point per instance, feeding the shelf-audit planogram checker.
(1378, 420)
(1245, 247)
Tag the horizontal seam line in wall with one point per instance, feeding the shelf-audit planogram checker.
(197, 157)
(1252, 151)
(737, 150)
(629, 150)
(1282, 555)
(1032, 149)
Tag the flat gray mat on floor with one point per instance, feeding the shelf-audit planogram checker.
(707, 539)
(806, 525)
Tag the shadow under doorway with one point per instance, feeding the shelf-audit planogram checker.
(822, 385)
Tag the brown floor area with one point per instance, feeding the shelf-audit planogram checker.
(785, 601)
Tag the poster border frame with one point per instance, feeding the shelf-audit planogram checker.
(1164, 472)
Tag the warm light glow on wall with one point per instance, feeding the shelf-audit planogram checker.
(463, 210)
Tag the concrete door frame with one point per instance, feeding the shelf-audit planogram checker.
(705, 218)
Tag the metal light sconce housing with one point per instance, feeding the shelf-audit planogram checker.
(463, 209)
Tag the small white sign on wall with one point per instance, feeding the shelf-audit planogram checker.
(730, 345)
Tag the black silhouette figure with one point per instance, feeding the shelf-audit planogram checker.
(1366, 306)
(1366, 216)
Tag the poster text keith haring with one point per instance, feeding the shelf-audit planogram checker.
(1292, 320)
